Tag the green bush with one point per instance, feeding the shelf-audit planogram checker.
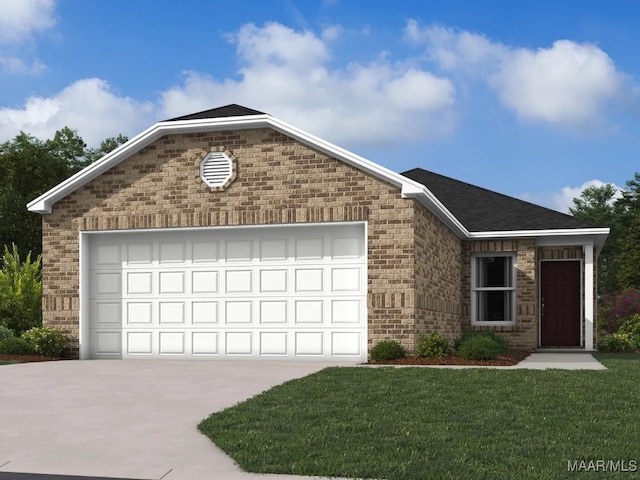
(46, 341)
(5, 333)
(617, 342)
(386, 350)
(433, 346)
(16, 346)
(481, 347)
(503, 345)
(630, 325)
(20, 291)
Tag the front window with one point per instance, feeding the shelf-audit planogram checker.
(493, 289)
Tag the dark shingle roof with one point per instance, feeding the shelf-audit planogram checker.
(482, 210)
(232, 110)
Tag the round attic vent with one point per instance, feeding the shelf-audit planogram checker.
(216, 169)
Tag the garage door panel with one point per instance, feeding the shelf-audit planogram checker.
(238, 251)
(309, 248)
(204, 282)
(172, 253)
(309, 343)
(273, 312)
(108, 343)
(171, 283)
(273, 250)
(239, 343)
(139, 283)
(238, 313)
(139, 343)
(292, 292)
(273, 343)
(345, 312)
(204, 313)
(205, 343)
(309, 280)
(238, 281)
(108, 284)
(345, 343)
(172, 343)
(309, 312)
(273, 281)
(204, 252)
(107, 256)
(140, 254)
(172, 313)
(139, 313)
(345, 279)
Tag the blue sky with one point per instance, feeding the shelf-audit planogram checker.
(534, 99)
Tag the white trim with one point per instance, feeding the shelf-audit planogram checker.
(409, 188)
(513, 289)
(589, 292)
(84, 313)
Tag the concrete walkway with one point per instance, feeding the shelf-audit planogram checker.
(137, 419)
(561, 361)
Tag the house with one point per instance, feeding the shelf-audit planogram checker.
(229, 233)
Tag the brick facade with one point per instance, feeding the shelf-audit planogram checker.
(278, 180)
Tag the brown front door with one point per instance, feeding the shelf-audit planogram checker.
(560, 307)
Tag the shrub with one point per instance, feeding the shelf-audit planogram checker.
(20, 291)
(15, 346)
(500, 342)
(46, 341)
(433, 346)
(631, 325)
(5, 333)
(616, 342)
(386, 350)
(480, 347)
(615, 307)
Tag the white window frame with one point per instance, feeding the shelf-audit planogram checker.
(227, 170)
(475, 289)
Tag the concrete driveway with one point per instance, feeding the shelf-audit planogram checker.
(127, 419)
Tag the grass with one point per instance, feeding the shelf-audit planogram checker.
(416, 423)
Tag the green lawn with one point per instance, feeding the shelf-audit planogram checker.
(423, 423)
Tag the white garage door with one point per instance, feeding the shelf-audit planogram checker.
(296, 292)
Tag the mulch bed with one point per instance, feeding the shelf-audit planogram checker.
(26, 358)
(510, 357)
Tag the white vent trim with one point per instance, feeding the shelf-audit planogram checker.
(216, 169)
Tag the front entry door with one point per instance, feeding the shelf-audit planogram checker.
(560, 304)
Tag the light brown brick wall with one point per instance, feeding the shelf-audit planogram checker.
(438, 254)
(278, 181)
(524, 334)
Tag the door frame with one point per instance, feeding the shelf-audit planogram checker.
(581, 282)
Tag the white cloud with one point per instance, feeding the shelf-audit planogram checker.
(19, 19)
(87, 105)
(568, 84)
(287, 73)
(563, 200)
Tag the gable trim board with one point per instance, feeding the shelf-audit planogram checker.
(416, 248)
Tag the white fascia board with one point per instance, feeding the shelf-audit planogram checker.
(568, 236)
(409, 188)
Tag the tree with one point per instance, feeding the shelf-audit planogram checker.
(28, 168)
(598, 206)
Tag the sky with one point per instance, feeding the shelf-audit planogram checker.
(535, 99)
